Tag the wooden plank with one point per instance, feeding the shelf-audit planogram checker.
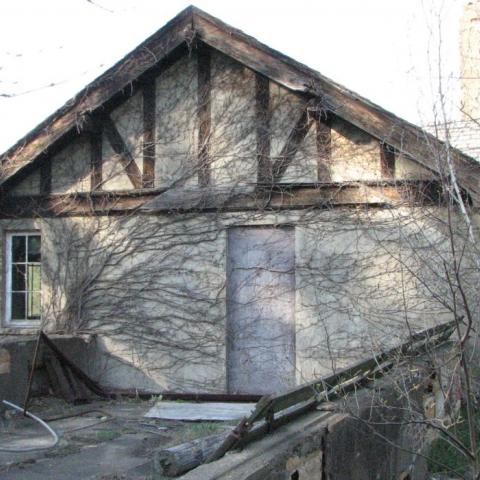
(96, 159)
(204, 113)
(80, 391)
(324, 148)
(121, 149)
(241, 429)
(262, 119)
(193, 411)
(387, 161)
(289, 150)
(91, 384)
(189, 396)
(413, 346)
(46, 177)
(61, 383)
(306, 397)
(149, 116)
(52, 378)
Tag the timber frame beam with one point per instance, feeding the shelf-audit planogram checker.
(292, 144)
(121, 149)
(266, 198)
(204, 115)
(193, 25)
(149, 111)
(262, 124)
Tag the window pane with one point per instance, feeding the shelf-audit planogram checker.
(18, 306)
(18, 248)
(34, 276)
(33, 304)
(18, 277)
(34, 248)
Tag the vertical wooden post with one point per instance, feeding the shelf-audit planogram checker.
(46, 176)
(387, 161)
(262, 118)
(324, 148)
(96, 159)
(149, 112)
(204, 113)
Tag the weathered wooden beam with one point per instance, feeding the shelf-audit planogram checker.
(174, 461)
(121, 149)
(289, 150)
(301, 399)
(204, 113)
(243, 427)
(195, 397)
(149, 115)
(262, 119)
(96, 163)
(278, 197)
(415, 345)
(46, 176)
(324, 148)
(80, 374)
(387, 161)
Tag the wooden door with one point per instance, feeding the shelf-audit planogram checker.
(260, 309)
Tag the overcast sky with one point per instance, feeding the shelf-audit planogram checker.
(386, 50)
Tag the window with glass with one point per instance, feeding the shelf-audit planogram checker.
(23, 282)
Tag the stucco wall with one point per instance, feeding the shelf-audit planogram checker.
(71, 167)
(176, 134)
(233, 140)
(153, 288)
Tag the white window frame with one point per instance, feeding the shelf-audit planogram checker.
(8, 280)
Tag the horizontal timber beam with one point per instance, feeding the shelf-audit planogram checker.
(279, 197)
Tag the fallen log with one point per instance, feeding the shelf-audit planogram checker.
(174, 461)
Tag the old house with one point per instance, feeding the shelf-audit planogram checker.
(213, 216)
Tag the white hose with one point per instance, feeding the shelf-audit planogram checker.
(41, 422)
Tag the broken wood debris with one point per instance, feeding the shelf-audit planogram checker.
(273, 411)
(299, 400)
(66, 379)
(73, 371)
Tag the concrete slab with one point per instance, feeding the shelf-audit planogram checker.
(115, 457)
(192, 411)
(101, 440)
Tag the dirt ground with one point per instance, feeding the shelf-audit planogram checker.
(100, 440)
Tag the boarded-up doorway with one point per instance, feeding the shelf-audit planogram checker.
(261, 309)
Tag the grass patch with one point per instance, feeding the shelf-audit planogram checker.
(192, 430)
(444, 457)
(97, 437)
